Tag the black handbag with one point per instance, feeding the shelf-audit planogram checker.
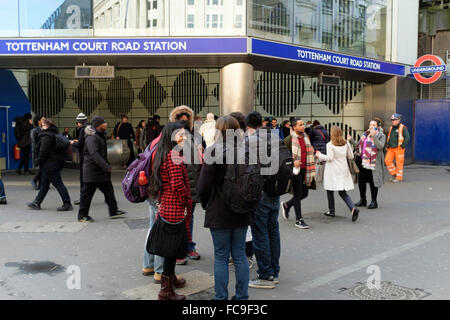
(168, 240)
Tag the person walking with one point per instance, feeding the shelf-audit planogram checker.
(37, 122)
(369, 158)
(139, 134)
(22, 132)
(153, 130)
(228, 229)
(264, 227)
(51, 161)
(286, 128)
(185, 115)
(304, 170)
(78, 143)
(397, 140)
(337, 176)
(208, 130)
(169, 182)
(96, 171)
(319, 137)
(124, 131)
(276, 128)
(2, 190)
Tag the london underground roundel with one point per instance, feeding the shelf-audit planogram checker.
(437, 69)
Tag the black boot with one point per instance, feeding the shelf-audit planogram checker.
(3, 201)
(361, 203)
(372, 205)
(67, 206)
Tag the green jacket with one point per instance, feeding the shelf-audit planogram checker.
(393, 139)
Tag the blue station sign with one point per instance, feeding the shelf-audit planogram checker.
(297, 53)
(108, 46)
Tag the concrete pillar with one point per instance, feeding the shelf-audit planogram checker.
(237, 88)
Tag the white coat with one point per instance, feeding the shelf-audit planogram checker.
(337, 176)
(208, 132)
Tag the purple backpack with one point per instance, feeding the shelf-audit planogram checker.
(130, 186)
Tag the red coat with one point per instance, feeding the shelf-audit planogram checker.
(175, 194)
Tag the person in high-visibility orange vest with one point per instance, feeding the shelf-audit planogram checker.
(397, 139)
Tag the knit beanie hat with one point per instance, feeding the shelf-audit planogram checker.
(97, 121)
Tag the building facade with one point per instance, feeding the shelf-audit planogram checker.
(213, 55)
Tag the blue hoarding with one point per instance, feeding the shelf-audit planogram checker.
(291, 52)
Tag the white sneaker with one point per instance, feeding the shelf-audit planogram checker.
(261, 284)
(284, 211)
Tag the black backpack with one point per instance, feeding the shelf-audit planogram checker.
(62, 146)
(242, 186)
(280, 183)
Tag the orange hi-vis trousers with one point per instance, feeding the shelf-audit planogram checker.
(399, 155)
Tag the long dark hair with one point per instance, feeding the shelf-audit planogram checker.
(165, 145)
(140, 124)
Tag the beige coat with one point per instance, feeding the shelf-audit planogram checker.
(337, 176)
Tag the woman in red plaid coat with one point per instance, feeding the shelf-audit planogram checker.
(169, 180)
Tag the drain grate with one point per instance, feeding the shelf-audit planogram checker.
(137, 223)
(387, 291)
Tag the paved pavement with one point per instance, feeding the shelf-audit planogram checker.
(405, 241)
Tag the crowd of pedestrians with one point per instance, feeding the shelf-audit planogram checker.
(189, 165)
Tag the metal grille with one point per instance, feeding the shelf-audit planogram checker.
(190, 89)
(120, 96)
(86, 96)
(336, 97)
(279, 93)
(152, 94)
(46, 93)
(346, 129)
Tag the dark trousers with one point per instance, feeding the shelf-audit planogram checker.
(81, 175)
(297, 182)
(343, 194)
(51, 173)
(25, 159)
(132, 155)
(169, 266)
(87, 193)
(365, 176)
(37, 178)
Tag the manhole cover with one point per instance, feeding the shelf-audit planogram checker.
(387, 291)
(137, 223)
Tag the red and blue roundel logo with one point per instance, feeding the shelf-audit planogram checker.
(437, 70)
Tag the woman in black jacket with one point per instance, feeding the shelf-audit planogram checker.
(51, 161)
(228, 229)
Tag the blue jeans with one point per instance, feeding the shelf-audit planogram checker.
(2, 190)
(191, 244)
(150, 260)
(266, 236)
(228, 241)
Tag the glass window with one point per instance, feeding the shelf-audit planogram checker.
(214, 21)
(155, 23)
(55, 18)
(238, 21)
(238, 2)
(215, 2)
(190, 2)
(9, 19)
(155, 4)
(221, 21)
(207, 20)
(190, 21)
(356, 27)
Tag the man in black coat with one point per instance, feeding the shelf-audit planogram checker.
(23, 136)
(51, 162)
(124, 131)
(96, 171)
(153, 129)
(79, 144)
